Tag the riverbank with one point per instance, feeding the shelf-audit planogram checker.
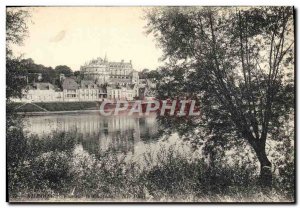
(55, 107)
(41, 113)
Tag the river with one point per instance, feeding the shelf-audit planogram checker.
(114, 133)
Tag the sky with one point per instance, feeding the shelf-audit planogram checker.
(74, 35)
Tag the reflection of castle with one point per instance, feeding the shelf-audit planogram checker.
(118, 133)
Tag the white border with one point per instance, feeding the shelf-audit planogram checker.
(151, 2)
(5, 3)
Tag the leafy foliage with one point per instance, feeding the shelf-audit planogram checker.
(237, 61)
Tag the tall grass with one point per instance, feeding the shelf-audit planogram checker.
(59, 168)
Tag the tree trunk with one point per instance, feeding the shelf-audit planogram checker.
(265, 165)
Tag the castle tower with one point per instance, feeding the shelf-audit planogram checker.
(105, 58)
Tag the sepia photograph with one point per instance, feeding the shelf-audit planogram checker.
(150, 104)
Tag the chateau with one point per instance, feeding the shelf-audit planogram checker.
(104, 72)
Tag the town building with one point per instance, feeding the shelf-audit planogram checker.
(87, 90)
(90, 91)
(127, 92)
(70, 89)
(40, 92)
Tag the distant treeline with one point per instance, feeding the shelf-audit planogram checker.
(148, 74)
(48, 74)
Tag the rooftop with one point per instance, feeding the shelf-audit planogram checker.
(70, 84)
(42, 86)
(85, 84)
(100, 61)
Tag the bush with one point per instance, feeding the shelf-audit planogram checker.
(52, 168)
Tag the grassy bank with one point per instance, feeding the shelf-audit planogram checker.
(55, 106)
(58, 168)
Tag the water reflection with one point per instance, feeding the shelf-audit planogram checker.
(98, 133)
